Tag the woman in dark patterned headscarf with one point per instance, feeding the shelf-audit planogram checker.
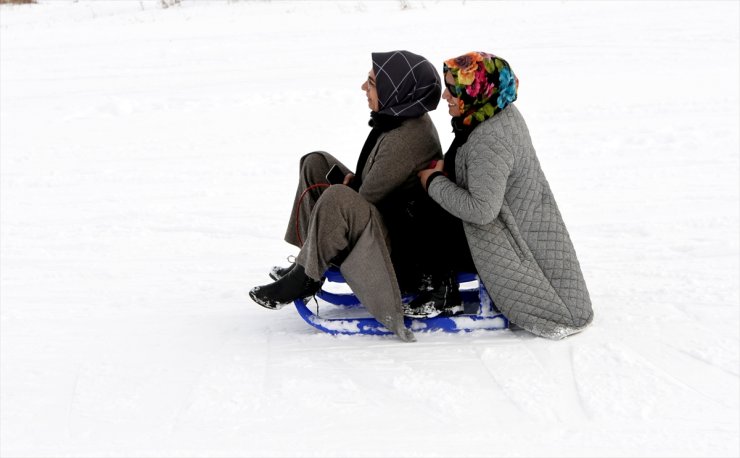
(349, 226)
(492, 184)
(408, 84)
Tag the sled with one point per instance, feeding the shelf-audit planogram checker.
(479, 311)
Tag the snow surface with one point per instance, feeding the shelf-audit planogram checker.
(148, 161)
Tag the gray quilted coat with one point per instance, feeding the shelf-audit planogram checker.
(517, 237)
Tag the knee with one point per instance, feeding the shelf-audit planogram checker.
(344, 204)
(342, 199)
(339, 195)
(312, 159)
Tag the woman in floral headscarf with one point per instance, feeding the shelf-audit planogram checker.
(492, 183)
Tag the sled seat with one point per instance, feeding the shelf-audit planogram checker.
(479, 311)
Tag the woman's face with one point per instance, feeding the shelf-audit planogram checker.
(453, 103)
(371, 90)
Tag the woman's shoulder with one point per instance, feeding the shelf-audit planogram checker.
(505, 127)
(509, 116)
(421, 123)
(415, 130)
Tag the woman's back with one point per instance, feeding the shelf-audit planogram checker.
(529, 216)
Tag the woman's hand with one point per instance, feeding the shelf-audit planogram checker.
(348, 178)
(424, 174)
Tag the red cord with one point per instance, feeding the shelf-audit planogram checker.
(298, 208)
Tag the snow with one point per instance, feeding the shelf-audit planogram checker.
(148, 159)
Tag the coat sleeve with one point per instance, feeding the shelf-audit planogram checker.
(391, 166)
(488, 166)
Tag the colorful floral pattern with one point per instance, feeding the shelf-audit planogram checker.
(484, 85)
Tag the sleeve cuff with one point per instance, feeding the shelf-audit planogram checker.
(432, 177)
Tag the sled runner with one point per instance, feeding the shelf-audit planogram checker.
(479, 313)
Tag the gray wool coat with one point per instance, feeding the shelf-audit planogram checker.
(398, 156)
(332, 229)
(517, 237)
(393, 164)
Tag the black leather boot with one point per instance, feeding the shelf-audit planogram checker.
(294, 285)
(439, 297)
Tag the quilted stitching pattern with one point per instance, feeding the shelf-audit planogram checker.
(516, 234)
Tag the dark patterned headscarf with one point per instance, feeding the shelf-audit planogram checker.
(408, 84)
(484, 85)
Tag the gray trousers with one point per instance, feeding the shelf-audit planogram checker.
(338, 223)
(313, 168)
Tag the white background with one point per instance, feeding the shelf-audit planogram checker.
(148, 161)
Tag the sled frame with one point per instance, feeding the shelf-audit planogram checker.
(486, 318)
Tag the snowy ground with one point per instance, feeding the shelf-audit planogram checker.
(148, 162)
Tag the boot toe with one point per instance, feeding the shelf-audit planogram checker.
(294, 285)
(258, 295)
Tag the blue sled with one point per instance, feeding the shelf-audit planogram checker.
(484, 315)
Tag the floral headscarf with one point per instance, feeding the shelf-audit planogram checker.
(484, 85)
